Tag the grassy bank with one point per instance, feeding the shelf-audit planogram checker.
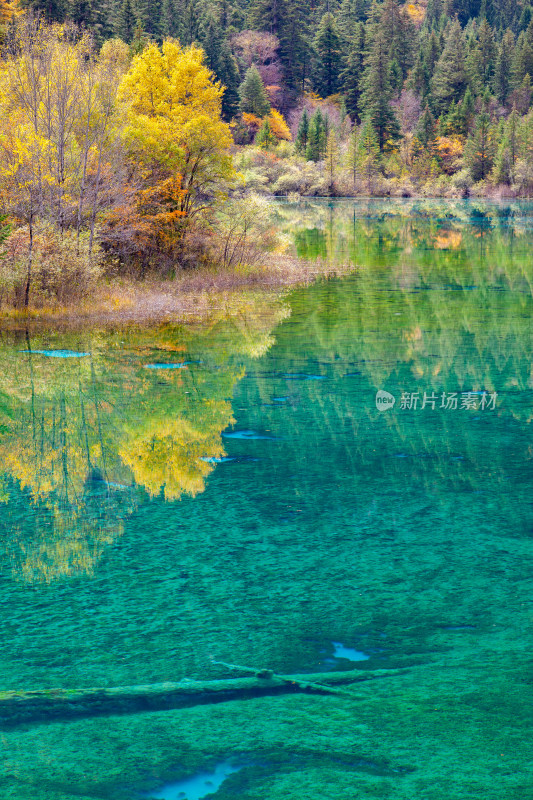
(191, 296)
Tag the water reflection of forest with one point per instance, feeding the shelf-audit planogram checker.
(82, 436)
(435, 304)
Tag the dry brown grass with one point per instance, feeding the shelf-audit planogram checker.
(192, 296)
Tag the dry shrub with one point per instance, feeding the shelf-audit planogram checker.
(62, 270)
(242, 233)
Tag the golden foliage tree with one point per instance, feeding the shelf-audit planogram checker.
(174, 128)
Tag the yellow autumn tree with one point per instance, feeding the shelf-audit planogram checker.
(278, 126)
(174, 128)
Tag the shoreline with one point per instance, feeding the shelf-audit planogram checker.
(196, 296)
(191, 298)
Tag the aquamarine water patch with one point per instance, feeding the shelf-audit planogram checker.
(223, 460)
(246, 434)
(300, 376)
(57, 353)
(349, 653)
(198, 786)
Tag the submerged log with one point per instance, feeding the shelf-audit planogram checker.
(53, 704)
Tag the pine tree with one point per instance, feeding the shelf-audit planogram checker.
(351, 76)
(480, 61)
(285, 19)
(525, 18)
(480, 147)
(467, 110)
(324, 133)
(504, 170)
(523, 56)
(398, 33)
(148, 15)
(375, 101)
(50, 10)
(170, 25)
(368, 153)
(268, 15)
(426, 128)
(229, 77)
(449, 79)
(503, 67)
(419, 78)
(254, 99)
(395, 77)
(434, 12)
(350, 16)
(264, 137)
(331, 160)
(505, 14)
(315, 138)
(126, 22)
(192, 14)
(295, 49)
(522, 95)
(432, 52)
(303, 133)
(326, 74)
(352, 155)
(81, 13)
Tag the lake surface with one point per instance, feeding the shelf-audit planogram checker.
(239, 491)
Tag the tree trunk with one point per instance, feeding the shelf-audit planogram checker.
(20, 707)
(30, 258)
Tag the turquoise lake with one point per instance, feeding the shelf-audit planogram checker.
(236, 491)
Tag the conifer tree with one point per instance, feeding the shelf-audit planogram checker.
(315, 138)
(480, 62)
(449, 79)
(285, 19)
(126, 22)
(254, 99)
(81, 13)
(480, 147)
(523, 56)
(302, 135)
(264, 136)
(420, 76)
(375, 101)
(350, 16)
(398, 33)
(328, 47)
(170, 25)
(352, 155)
(504, 170)
(434, 11)
(148, 16)
(228, 75)
(425, 131)
(503, 67)
(368, 153)
(522, 95)
(331, 160)
(50, 10)
(351, 77)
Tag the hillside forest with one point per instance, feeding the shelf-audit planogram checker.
(137, 137)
